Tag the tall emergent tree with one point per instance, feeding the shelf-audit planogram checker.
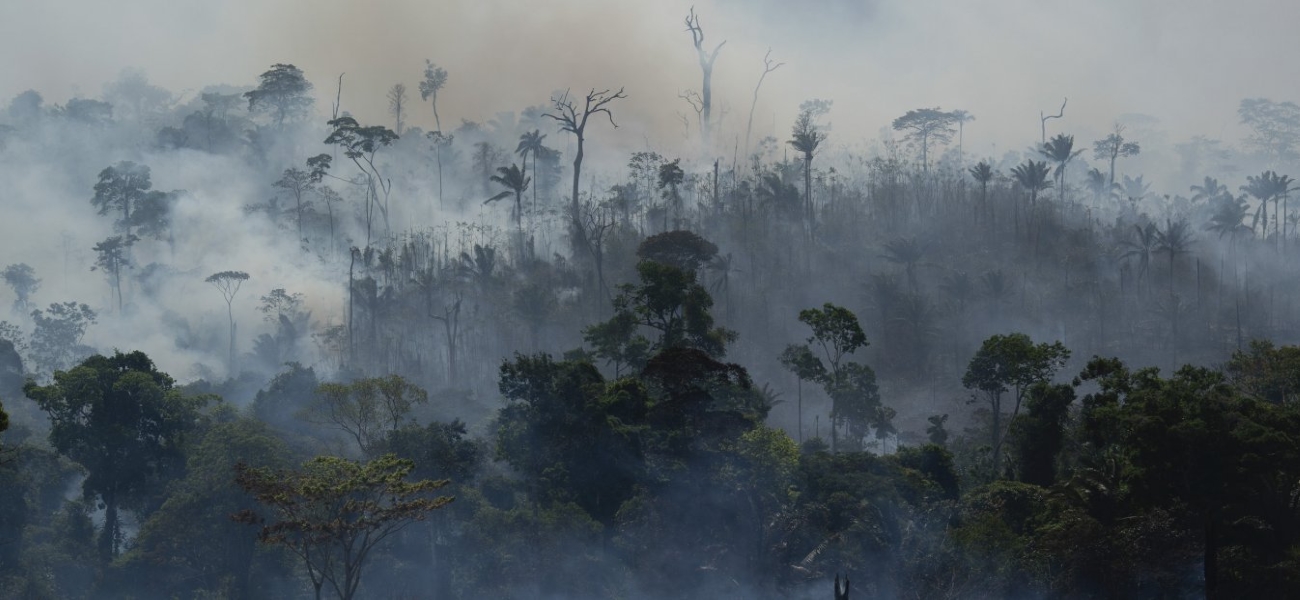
(121, 187)
(124, 421)
(228, 282)
(706, 67)
(806, 137)
(769, 65)
(851, 386)
(21, 278)
(1009, 364)
(283, 92)
(333, 512)
(925, 126)
(112, 256)
(1111, 148)
(1060, 150)
(512, 178)
(573, 119)
(435, 78)
(360, 144)
(397, 106)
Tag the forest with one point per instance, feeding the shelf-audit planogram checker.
(261, 346)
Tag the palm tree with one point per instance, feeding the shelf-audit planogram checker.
(1228, 215)
(906, 252)
(962, 118)
(1142, 246)
(531, 143)
(515, 182)
(1098, 185)
(960, 288)
(1175, 239)
(983, 174)
(1209, 191)
(1060, 150)
(805, 138)
(1135, 188)
(1264, 187)
(1031, 176)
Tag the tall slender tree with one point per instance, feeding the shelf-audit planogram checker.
(707, 59)
(573, 119)
(228, 282)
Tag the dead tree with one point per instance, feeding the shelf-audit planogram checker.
(706, 65)
(574, 120)
(1044, 118)
(769, 65)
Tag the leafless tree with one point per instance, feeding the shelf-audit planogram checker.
(1044, 118)
(573, 119)
(396, 105)
(769, 65)
(706, 66)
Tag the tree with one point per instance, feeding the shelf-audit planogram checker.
(983, 173)
(298, 183)
(671, 177)
(531, 143)
(1274, 127)
(366, 410)
(769, 66)
(1044, 118)
(1060, 150)
(435, 78)
(123, 420)
(1112, 147)
(1141, 246)
(56, 337)
(855, 400)
(961, 117)
(566, 113)
(706, 67)
(799, 359)
(1032, 177)
(360, 144)
(113, 255)
(228, 282)
(1010, 363)
(1175, 239)
(121, 187)
(926, 125)
(685, 250)
(512, 178)
(21, 278)
(669, 301)
(283, 92)
(1264, 187)
(396, 106)
(333, 512)
(1038, 437)
(805, 138)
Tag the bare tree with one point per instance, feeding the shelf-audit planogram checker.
(769, 65)
(706, 65)
(1044, 118)
(574, 120)
(396, 105)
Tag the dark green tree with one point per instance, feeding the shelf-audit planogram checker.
(125, 422)
(283, 92)
(1009, 364)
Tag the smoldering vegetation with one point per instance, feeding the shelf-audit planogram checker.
(256, 344)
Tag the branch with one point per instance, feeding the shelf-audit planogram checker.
(1057, 115)
(768, 67)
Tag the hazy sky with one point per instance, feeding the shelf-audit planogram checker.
(1188, 62)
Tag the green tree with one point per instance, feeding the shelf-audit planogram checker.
(1038, 437)
(56, 336)
(435, 78)
(360, 144)
(366, 410)
(333, 512)
(125, 422)
(799, 359)
(1009, 364)
(283, 92)
(670, 302)
(855, 400)
(112, 256)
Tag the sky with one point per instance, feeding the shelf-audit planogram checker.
(1188, 62)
